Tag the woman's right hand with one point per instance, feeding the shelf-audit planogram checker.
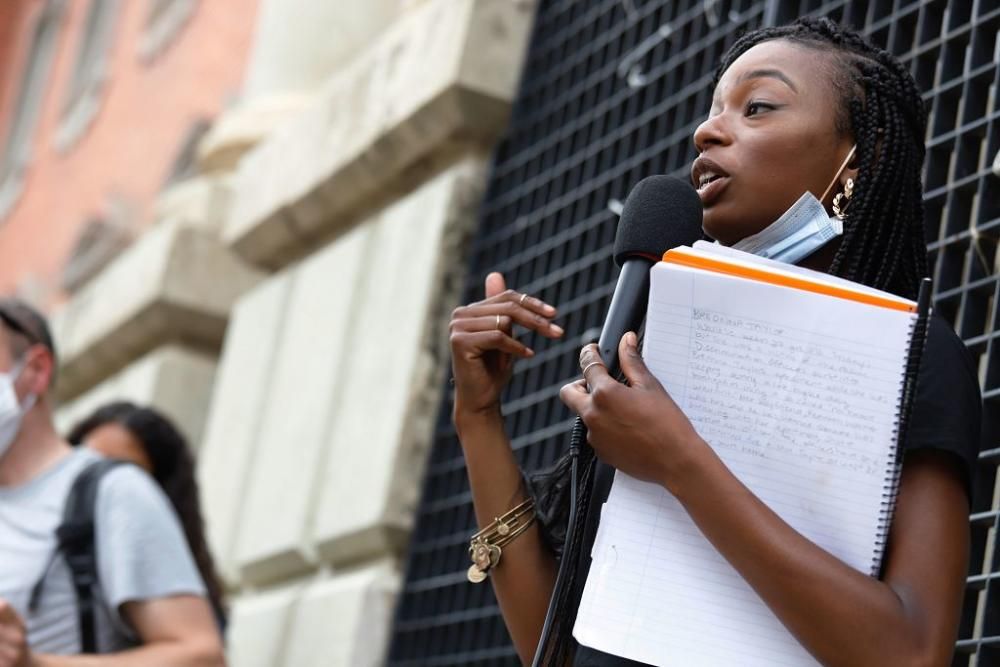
(483, 347)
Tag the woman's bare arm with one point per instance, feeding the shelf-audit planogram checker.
(842, 616)
(483, 352)
(524, 580)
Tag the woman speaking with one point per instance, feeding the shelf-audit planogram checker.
(796, 109)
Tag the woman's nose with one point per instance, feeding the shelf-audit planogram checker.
(711, 131)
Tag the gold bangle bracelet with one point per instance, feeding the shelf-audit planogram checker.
(502, 525)
(486, 546)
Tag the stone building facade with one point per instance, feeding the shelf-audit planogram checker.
(287, 306)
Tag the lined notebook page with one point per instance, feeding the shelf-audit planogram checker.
(798, 394)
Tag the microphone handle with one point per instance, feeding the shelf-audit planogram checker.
(627, 310)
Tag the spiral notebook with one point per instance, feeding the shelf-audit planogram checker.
(801, 383)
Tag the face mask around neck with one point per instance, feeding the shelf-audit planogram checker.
(11, 411)
(800, 231)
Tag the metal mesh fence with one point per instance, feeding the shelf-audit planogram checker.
(612, 91)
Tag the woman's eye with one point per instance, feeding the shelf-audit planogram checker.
(753, 108)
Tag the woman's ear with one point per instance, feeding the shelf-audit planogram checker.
(846, 169)
(848, 173)
(849, 169)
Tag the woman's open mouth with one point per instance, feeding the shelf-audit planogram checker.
(709, 178)
(710, 187)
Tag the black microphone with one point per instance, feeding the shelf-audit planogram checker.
(660, 213)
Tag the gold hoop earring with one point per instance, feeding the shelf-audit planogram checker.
(843, 200)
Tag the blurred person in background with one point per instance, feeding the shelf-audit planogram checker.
(145, 437)
(148, 603)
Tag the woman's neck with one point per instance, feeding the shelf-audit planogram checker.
(822, 258)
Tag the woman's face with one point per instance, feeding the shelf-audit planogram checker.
(770, 136)
(117, 442)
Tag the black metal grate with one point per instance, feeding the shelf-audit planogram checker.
(609, 96)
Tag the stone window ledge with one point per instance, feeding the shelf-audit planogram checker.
(437, 83)
(175, 284)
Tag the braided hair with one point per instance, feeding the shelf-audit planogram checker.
(883, 245)
(173, 470)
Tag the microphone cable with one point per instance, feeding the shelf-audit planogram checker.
(581, 491)
(560, 592)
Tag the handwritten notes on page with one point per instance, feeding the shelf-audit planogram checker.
(798, 393)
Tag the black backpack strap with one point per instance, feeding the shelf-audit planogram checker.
(76, 543)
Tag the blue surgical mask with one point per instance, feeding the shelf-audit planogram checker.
(800, 231)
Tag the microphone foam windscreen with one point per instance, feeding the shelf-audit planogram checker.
(661, 212)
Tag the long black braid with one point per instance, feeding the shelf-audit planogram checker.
(883, 244)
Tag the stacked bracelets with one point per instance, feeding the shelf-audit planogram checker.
(486, 545)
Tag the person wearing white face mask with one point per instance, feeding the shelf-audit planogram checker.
(11, 409)
(149, 604)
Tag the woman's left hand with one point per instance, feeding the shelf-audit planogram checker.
(638, 428)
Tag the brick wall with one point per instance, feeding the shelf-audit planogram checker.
(146, 109)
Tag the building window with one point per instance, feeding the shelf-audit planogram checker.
(185, 164)
(15, 151)
(164, 21)
(89, 72)
(102, 239)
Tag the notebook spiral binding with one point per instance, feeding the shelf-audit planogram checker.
(907, 391)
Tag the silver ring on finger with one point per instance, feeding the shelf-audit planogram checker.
(520, 301)
(498, 322)
(588, 366)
